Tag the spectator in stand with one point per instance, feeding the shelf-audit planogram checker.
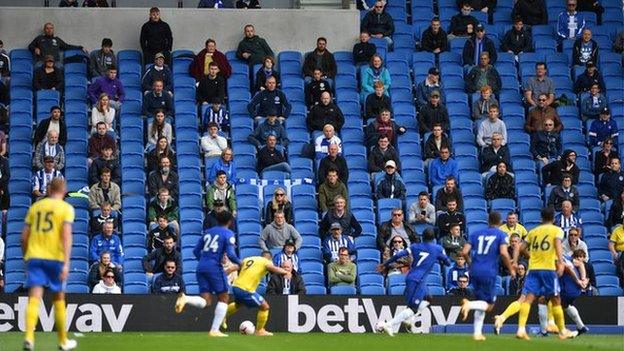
(546, 143)
(363, 51)
(436, 141)
(159, 70)
(463, 24)
(422, 211)
(585, 49)
(217, 113)
(568, 218)
(329, 189)
(103, 112)
(247, 4)
(380, 154)
(516, 284)
(105, 191)
(430, 84)
(612, 182)
(94, 3)
(481, 107)
(343, 271)
(100, 60)
(532, 12)
(315, 88)
(270, 126)
(603, 129)
(275, 234)
(163, 178)
(588, 78)
(454, 242)
(5, 176)
(432, 113)
(170, 281)
(211, 86)
(513, 227)
(570, 23)
(434, 39)
(157, 99)
(105, 161)
(458, 269)
(333, 160)
(518, 39)
(213, 144)
(5, 79)
(68, 3)
(107, 285)
(402, 265)
(501, 184)
(374, 72)
(462, 290)
(159, 127)
(162, 149)
(48, 44)
(107, 241)
(279, 202)
(226, 163)
(221, 190)
(618, 42)
(42, 177)
(49, 147)
(554, 172)
(56, 123)
(379, 23)
(492, 155)
(483, 74)
(270, 99)
(159, 257)
(156, 37)
(538, 85)
(487, 128)
(320, 58)
(326, 112)
(156, 237)
(538, 114)
(253, 49)
(603, 156)
(288, 253)
(449, 217)
(616, 212)
(163, 204)
(102, 215)
(279, 285)
(267, 70)
(48, 77)
(200, 66)
(377, 101)
(563, 192)
(109, 84)
(271, 158)
(383, 125)
(391, 186)
(322, 142)
(447, 192)
(443, 167)
(574, 242)
(100, 140)
(396, 226)
(593, 105)
(334, 241)
(98, 268)
(211, 217)
(340, 213)
(477, 44)
(616, 246)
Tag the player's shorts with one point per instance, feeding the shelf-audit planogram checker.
(212, 282)
(484, 288)
(45, 273)
(415, 292)
(541, 282)
(249, 299)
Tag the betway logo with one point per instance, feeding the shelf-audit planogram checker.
(89, 316)
(333, 318)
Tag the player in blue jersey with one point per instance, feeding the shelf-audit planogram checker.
(211, 277)
(573, 281)
(424, 255)
(485, 247)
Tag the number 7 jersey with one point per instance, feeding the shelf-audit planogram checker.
(541, 242)
(45, 218)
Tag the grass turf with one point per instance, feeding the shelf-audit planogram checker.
(312, 341)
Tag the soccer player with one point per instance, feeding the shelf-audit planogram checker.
(573, 281)
(485, 247)
(253, 270)
(46, 245)
(211, 277)
(424, 255)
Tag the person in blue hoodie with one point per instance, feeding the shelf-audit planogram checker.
(108, 241)
(592, 105)
(602, 129)
(224, 163)
(570, 23)
(442, 167)
(270, 126)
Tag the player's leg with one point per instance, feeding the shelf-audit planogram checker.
(415, 294)
(205, 298)
(523, 315)
(220, 311)
(60, 318)
(32, 315)
(560, 319)
(573, 313)
(551, 326)
(262, 318)
(485, 290)
(542, 313)
(511, 310)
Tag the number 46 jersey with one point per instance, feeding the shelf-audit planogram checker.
(541, 242)
(210, 248)
(45, 218)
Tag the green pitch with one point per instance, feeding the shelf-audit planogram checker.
(311, 342)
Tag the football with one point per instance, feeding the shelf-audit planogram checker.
(247, 328)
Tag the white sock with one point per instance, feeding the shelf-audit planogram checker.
(220, 311)
(196, 301)
(422, 305)
(478, 305)
(573, 313)
(399, 318)
(479, 317)
(542, 311)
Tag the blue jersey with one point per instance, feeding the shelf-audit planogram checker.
(485, 251)
(425, 255)
(567, 282)
(211, 247)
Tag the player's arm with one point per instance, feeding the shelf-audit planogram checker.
(396, 257)
(466, 252)
(559, 253)
(231, 254)
(66, 238)
(25, 237)
(274, 269)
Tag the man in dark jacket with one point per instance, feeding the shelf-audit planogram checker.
(477, 44)
(553, 172)
(483, 73)
(585, 49)
(434, 38)
(170, 281)
(156, 37)
(391, 186)
(518, 39)
(49, 44)
(449, 192)
(163, 178)
(326, 112)
(320, 58)
(380, 154)
(450, 216)
(532, 12)
(316, 87)
(157, 98)
(272, 159)
(160, 256)
(101, 59)
(278, 285)
(211, 86)
(270, 126)
(377, 101)
(106, 160)
(396, 225)
(564, 192)
(501, 184)
(336, 161)
(378, 22)
(159, 70)
(41, 131)
(463, 24)
(433, 113)
(269, 99)
(612, 182)
(494, 153)
(363, 50)
(588, 78)
(253, 49)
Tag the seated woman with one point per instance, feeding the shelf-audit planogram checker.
(161, 149)
(374, 72)
(103, 112)
(267, 70)
(159, 127)
(279, 202)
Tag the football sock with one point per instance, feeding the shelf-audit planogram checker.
(60, 318)
(542, 311)
(478, 305)
(525, 308)
(422, 305)
(559, 318)
(551, 316)
(512, 309)
(403, 316)
(573, 313)
(231, 309)
(261, 320)
(219, 315)
(196, 301)
(32, 315)
(479, 316)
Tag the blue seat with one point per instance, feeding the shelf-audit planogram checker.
(604, 268)
(315, 290)
(311, 267)
(607, 280)
(368, 255)
(600, 256)
(77, 288)
(396, 290)
(611, 291)
(372, 290)
(135, 288)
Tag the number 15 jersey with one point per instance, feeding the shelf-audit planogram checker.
(45, 219)
(541, 242)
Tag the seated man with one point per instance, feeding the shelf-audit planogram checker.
(518, 39)
(164, 205)
(157, 98)
(585, 49)
(397, 225)
(391, 185)
(434, 143)
(443, 167)
(270, 158)
(105, 191)
(221, 190)
(329, 189)
(333, 160)
(471, 54)
(563, 192)
(50, 147)
(322, 142)
(158, 71)
(276, 233)
(107, 241)
(105, 215)
(163, 178)
(487, 128)
(315, 88)
(546, 143)
(154, 262)
(553, 172)
(270, 126)
(341, 214)
(211, 86)
(343, 271)
(434, 112)
(279, 285)
(377, 101)
(463, 24)
(54, 122)
(106, 160)
(434, 39)
(253, 49)
(458, 269)
(100, 60)
(430, 84)
(603, 129)
(454, 242)
(612, 182)
(589, 77)
(325, 112)
(288, 253)
(363, 51)
(450, 216)
(217, 113)
(111, 86)
(593, 104)
(483, 74)
(422, 211)
(447, 192)
(538, 114)
(570, 23)
(269, 99)
(320, 58)
(99, 141)
(500, 185)
(383, 125)
(567, 218)
(334, 241)
(378, 22)
(538, 85)
(512, 226)
(156, 236)
(49, 44)
(494, 153)
(42, 177)
(462, 289)
(213, 144)
(170, 281)
(382, 153)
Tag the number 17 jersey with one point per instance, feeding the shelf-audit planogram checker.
(211, 247)
(485, 251)
(541, 241)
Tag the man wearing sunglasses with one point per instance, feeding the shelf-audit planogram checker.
(170, 281)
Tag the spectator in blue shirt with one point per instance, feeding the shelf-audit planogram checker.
(157, 71)
(442, 167)
(594, 104)
(570, 23)
(459, 269)
(217, 113)
(269, 99)
(157, 98)
(335, 241)
(109, 241)
(224, 163)
(602, 129)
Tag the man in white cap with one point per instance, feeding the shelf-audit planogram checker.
(391, 186)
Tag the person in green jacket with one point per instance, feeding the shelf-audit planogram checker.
(331, 188)
(253, 49)
(222, 190)
(343, 271)
(165, 205)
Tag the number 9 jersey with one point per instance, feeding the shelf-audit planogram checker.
(45, 219)
(541, 243)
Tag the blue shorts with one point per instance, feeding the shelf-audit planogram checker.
(249, 299)
(541, 282)
(415, 292)
(213, 282)
(45, 273)
(484, 288)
